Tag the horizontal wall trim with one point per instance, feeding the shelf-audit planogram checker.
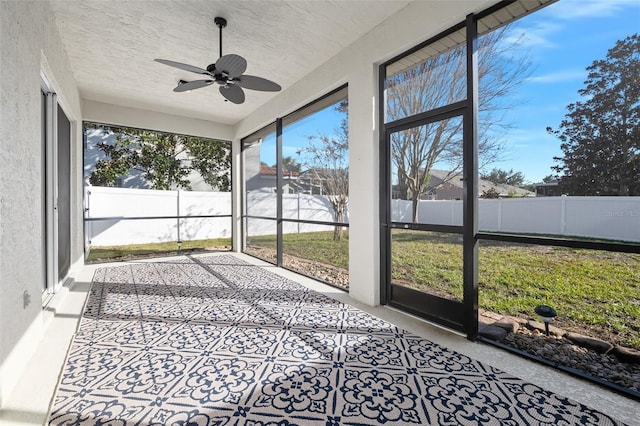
(125, 116)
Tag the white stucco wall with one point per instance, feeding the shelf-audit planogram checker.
(144, 119)
(357, 66)
(29, 44)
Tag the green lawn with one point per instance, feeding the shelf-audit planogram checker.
(428, 261)
(105, 253)
(310, 245)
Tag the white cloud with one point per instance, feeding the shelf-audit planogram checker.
(541, 31)
(537, 34)
(559, 76)
(574, 9)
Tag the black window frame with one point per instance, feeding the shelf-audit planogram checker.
(245, 142)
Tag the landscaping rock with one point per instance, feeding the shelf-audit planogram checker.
(494, 316)
(485, 320)
(570, 354)
(592, 343)
(327, 273)
(508, 324)
(492, 332)
(539, 326)
(521, 321)
(628, 355)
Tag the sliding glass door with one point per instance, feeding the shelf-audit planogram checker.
(56, 191)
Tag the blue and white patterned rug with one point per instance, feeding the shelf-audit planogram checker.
(216, 341)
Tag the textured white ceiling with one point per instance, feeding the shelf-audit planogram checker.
(112, 46)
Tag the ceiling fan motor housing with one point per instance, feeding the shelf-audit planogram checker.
(220, 22)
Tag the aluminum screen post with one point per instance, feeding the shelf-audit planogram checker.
(470, 196)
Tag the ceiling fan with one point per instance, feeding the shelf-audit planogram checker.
(227, 72)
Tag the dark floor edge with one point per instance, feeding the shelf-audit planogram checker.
(568, 370)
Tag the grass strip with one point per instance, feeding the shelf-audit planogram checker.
(105, 253)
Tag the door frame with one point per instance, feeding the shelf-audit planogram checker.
(52, 283)
(447, 312)
(460, 316)
(50, 189)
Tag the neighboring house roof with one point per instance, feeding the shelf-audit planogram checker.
(453, 180)
(317, 173)
(310, 181)
(272, 171)
(266, 170)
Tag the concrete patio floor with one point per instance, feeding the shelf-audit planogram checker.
(30, 400)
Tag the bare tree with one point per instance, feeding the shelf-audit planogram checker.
(439, 81)
(327, 160)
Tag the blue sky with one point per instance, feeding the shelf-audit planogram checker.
(296, 135)
(561, 41)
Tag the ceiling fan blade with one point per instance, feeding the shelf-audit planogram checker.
(182, 66)
(233, 93)
(258, 83)
(190, 85)
(233, 65)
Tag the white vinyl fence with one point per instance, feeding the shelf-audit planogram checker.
(294, 206)
(615, 218)
(117, 204)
